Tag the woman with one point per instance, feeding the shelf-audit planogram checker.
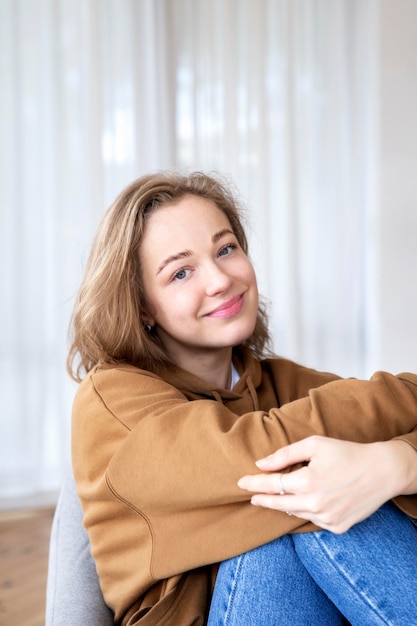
(179, 401)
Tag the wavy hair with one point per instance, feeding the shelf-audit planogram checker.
(106, 324)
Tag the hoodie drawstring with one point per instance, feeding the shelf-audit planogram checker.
(253, 393)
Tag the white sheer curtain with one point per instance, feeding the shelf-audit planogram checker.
(276, 94)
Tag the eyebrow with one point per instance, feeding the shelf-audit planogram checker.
(187, 253)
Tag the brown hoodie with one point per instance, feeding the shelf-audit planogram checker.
(157, 458)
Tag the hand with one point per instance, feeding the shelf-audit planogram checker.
(341, 484)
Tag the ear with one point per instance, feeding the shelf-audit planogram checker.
(147, 319)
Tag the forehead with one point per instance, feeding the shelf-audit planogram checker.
(190, 217)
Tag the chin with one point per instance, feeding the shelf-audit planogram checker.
(240, 336)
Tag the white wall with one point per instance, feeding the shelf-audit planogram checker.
(396, 201)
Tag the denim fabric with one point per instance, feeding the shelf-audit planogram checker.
(368, 575)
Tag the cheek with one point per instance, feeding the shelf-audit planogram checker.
(250, 275)
(252, 282)
(181, 302)
(149, 303)
(173, 306)
(158, 305)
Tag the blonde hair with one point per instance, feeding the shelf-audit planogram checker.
(107, 325)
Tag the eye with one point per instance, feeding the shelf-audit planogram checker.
(227, 249)
(181, 274)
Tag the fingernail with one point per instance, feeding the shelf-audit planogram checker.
(263, 462)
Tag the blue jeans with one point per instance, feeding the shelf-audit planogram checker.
(367, 576)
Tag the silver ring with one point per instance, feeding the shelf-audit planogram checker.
(282, 492)
(288, 513)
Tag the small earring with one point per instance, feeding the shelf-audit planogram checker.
(148, 328)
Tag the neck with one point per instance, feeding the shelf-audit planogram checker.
(214, 367)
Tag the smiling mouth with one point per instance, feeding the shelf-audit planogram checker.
(229, 308)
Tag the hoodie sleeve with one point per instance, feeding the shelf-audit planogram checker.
(176, 462)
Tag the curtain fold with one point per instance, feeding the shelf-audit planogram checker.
(274, 94)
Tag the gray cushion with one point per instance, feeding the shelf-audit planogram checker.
(73, 595)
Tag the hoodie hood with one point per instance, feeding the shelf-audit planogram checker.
(195, 388)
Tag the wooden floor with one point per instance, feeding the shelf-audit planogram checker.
(24, 547)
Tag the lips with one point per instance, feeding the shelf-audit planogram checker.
(229, 308)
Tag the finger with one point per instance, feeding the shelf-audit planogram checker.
(337, 522)
(293, 505)
(269, 501)
(290, 506)
(264, 483)
(283, 504)
(294, 453)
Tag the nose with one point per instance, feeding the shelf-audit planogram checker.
(216, 280)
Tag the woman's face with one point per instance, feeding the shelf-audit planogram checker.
(199, 285)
